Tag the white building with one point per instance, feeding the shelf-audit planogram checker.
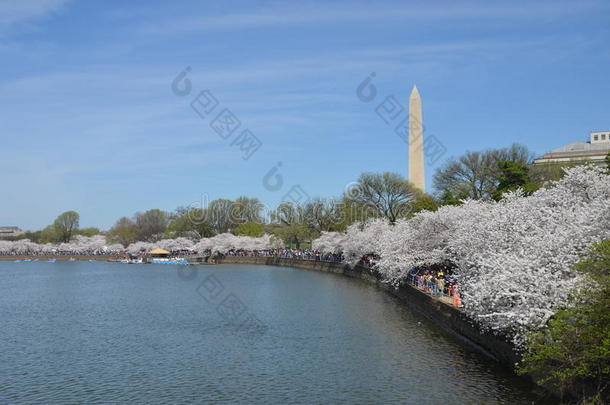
(594, 150)
(7, 231)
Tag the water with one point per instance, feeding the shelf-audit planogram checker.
(105, 333)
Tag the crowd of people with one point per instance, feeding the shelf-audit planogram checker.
(369, 260)
(438, 282)
(303, 254)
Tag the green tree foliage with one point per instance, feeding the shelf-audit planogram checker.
(124, 232)
(449, 198)
(388, 193)
(573, 353)
(190, 223)
(290, 225)
(295, 234)
(88, 231)
(49, 235)
(250, 229)
(424, 202)
(220, 215)
(66, 225)
(513, 175)
(151, 225)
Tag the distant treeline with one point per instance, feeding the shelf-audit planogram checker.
(479, 175)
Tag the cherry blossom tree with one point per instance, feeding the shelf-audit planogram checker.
(513, 258)
(224, 242)
(177, 244)
(331, 242)
(79, 245)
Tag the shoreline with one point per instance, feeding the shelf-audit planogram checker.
(448, 318)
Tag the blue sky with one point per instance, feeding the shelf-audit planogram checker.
(89, 121)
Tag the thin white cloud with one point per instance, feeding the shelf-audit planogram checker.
(16, 15)
(461, 48)
(13, 11)
(332, 14)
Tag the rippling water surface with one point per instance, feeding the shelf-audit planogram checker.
(101, 332)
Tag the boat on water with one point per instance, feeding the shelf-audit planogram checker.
(161, 256)
(125, 260)
(169, 260)
(155, 256)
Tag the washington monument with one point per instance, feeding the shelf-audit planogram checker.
(416, 141)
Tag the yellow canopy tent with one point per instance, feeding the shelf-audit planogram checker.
(159, 252)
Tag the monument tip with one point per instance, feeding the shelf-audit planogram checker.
(414, 92)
